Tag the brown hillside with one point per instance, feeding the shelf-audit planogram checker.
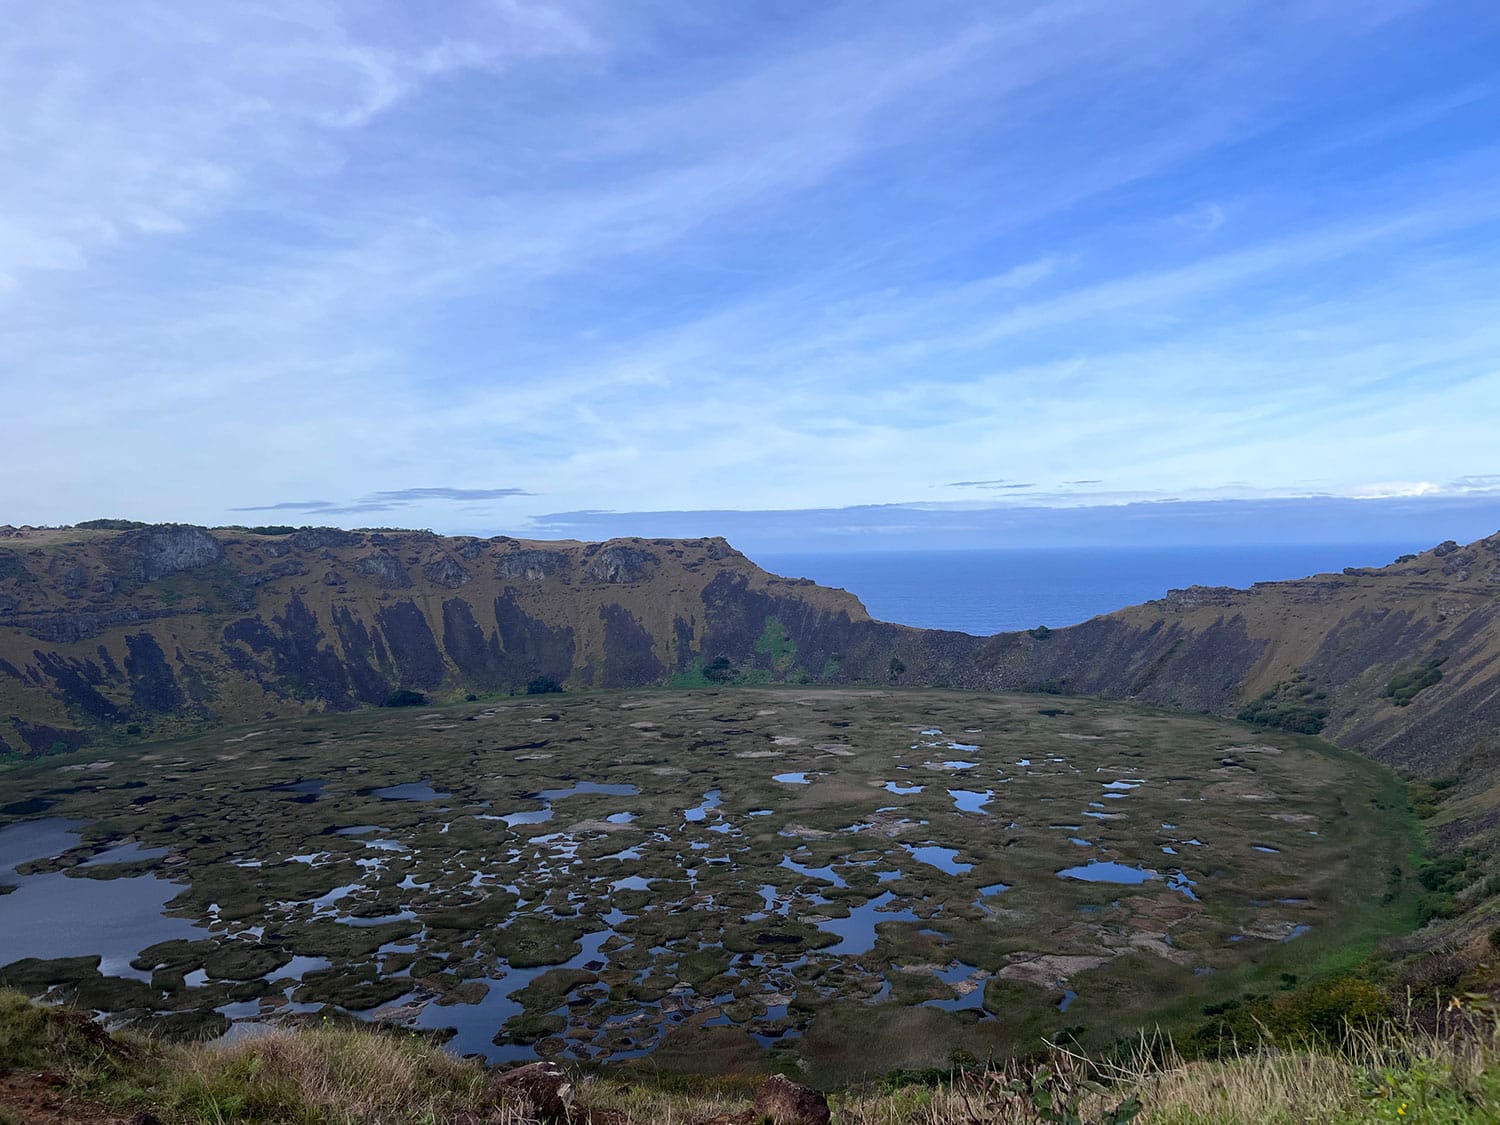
(119, 631)
(163, 624)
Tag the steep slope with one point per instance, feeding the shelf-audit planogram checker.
(161, 624)
(102, 630)
(1332, 651)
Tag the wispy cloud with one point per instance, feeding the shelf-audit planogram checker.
(645, 260)
(389, 500)
(288, 506)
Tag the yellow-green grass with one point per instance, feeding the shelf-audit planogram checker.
(330, 1075)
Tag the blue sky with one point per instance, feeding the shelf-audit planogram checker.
(600, 268)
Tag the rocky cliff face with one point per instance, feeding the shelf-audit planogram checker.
(148, 627)
(157, 625)
(1330, 653)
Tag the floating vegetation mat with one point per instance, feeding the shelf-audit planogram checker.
(701, 876)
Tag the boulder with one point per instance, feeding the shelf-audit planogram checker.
(790, 1103)
(445, 572)
(385, 569)
(545, 1086)
(618, 562)
(153, 553)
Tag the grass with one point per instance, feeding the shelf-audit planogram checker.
(315, 1076)
(1394, 1071)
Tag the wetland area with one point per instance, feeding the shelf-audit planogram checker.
(846, 880)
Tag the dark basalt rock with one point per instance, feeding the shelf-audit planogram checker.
(479, 659)
(154, 553)
(544, 1086)
(629, 659)
(40, 737)
(285, 568)
(621, 563)
(786, 1102)
(313, 538)
(74, 580)
(76, 681)
(532, 564)
(153, 687)
(412, 646)
(69, 628)
(1194, 596)
(386, 570)
(446, 572)
(291, 659)
(529, 645)
(361, 656)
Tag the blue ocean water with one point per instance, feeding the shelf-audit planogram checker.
(993, 591)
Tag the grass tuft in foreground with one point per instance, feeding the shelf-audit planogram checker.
(339, 1075)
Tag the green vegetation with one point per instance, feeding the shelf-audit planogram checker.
(1289, 845)
(405, 698)
(111, 525)
(1403, 688)
(1296, 704)
(775, 642)
(543, 685)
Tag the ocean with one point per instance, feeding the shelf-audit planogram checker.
(992, 591)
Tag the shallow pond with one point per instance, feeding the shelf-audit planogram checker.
(935, 855)
(711, 800)
(410, 791)
(1106, 871)
(584, 787)
(970, 800)
(55, 915)
(476, 1024)
(857, 932)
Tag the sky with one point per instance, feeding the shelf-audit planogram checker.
(865, 274)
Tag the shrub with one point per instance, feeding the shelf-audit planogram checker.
(1403, 688)
(405, 698)
(543, 685)
(718, 670)
(1329, 1011)
(111, 525)
(1295, 705)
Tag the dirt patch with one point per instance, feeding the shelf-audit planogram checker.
(37, 1100)
(1150, 943)
(1235, 791)
(600, 826)
(1047, 970)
